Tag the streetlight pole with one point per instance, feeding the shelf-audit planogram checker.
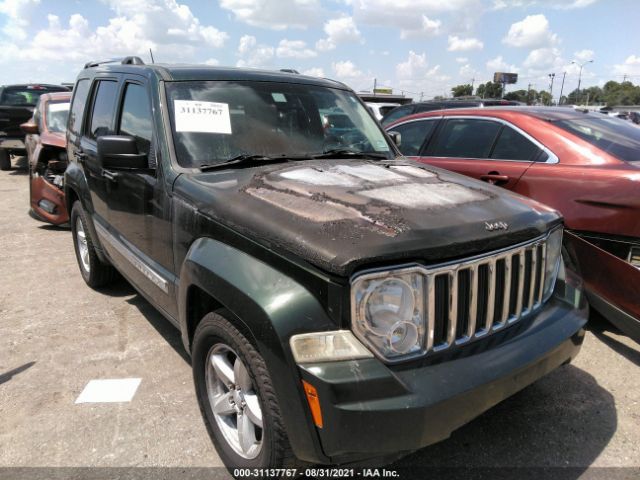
(580, 73)
(552, 76)
(564, 74)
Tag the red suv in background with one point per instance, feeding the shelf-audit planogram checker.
(585, 165)
(46, 144)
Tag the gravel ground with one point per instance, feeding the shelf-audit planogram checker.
(56, 335)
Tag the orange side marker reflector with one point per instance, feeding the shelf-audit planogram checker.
(314, 403)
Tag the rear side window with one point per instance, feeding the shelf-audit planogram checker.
(135, 119)
(616, 137)
(512, 145)
(466, 138)
(77, 107)
(413, 135)
(103, 107)
(26, 95)
(397, 113)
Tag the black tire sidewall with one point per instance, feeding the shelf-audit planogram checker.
(206, 337)
(5, 160)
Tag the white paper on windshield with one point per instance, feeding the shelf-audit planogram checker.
(58, 107)
(205, 117)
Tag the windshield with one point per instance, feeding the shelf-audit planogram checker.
(216, 121)
(616, 137)
(56, 116)
(25, 95)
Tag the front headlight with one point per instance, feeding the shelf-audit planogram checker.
(389, 312)
(552, 264)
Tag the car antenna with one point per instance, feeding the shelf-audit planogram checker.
(151, 53)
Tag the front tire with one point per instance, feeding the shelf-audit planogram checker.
(237, 399)
(5, 160)
(94, 272)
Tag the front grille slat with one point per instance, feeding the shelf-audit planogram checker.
(477, 297)
(473, 301)
(532, 276)
(520, 262)
(453, 306)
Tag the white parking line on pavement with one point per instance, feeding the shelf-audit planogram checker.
(109, 390)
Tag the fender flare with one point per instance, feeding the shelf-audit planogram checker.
(75, 180)
(271, 307)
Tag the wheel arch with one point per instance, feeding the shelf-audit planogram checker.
(268, 307)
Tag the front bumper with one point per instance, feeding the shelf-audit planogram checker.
(374, 410)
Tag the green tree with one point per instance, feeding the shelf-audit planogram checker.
(518, 96)
(462, 90)
(545, 98)
(489, 90)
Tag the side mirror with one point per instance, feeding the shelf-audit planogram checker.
(120, 152)
(30, 128)
(395, 138)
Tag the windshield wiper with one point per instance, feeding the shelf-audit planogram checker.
(345, 152)
(247, 158)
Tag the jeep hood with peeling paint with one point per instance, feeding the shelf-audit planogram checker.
(342, 215)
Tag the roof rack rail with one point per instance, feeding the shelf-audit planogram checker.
(122, 61)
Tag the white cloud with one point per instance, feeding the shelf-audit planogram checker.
(18, 13)
(346, 69)
(429, 28)
(467, 71)
(339, 30)
(462, 59)
(415, 66)
(542, 58)
(276, 15)
(212, 62)
(555, 4)
(498, 64)
(631, 66)
(457, 44)
(584, 55)
(414, 18)
(314, 72)
(168, 22)
(253, 54)
(532, 32)
(294, 49)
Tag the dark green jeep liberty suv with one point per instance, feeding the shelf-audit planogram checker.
(340, 303)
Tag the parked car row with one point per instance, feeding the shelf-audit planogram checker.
(340, 301)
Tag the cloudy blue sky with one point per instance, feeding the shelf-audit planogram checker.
(418, 46)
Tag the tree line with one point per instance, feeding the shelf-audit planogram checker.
(612, 93)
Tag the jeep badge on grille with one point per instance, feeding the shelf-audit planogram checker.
(491, 226)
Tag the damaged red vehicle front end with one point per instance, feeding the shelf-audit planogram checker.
(47, 158)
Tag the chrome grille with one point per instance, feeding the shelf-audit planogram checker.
(477, 297)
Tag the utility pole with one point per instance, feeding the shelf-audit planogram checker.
(552, 76)
(564, 74)
(528, 94)
(580, 74)
(473, 80)
(624, 78)
(375, 85)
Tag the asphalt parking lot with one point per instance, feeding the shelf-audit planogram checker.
(56, 335)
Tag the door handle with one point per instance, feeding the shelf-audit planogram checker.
(495, 178)
(80, 156)
(111, 176)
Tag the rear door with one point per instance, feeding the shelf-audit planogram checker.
(483, 148)
(100, 121)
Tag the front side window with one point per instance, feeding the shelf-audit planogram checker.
(103, 107)
(512, 145)
(413, 135)
(57, 114)
(215, 121)
(135, 120)
(616, 137)
(466, 138)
